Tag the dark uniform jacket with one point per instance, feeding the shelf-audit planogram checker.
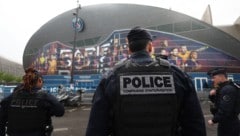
(47, 103)
(225, 109)
(225, 102)
(191, 120)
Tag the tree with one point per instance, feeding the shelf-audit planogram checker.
(1, 76)
(9, 78)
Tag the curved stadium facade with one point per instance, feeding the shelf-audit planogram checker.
(101, 42)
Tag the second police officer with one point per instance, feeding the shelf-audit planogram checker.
(28, 110)
(143, 96)
(226, 100)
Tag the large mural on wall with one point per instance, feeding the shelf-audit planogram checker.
(55, 58)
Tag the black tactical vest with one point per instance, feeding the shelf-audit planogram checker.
(24, 113)
(146, 103)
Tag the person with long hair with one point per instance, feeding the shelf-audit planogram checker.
(28, 110)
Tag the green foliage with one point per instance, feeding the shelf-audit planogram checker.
(9, 78)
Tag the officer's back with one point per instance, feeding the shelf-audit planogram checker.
(143, 97)
(28, 110)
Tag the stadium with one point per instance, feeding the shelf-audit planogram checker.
(97, 41)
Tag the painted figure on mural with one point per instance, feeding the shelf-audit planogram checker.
(192, 64)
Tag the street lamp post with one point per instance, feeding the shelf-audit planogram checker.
(74, 45)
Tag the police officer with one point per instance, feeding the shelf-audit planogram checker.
(28, 110)
(225, 99)
(143, 96)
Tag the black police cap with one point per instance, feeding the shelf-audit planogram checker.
(217, 71)
(138, 33)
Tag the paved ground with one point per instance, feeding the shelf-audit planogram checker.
(211, 130)
(73, 123)
(75, 120)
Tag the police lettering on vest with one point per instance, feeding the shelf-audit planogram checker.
(146, 84)
(141, 89)
(24, 113)
(24, 103)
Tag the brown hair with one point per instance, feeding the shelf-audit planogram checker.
(30, 78)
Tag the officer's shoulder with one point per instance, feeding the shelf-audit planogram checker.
(229, 88)
(163, 62)
(237, 85)
(120, 64)
(177, 70)
(42, 93)
(180, 73)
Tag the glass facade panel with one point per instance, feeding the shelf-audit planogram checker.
(182, 26)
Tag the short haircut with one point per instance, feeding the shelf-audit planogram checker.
(138, 45)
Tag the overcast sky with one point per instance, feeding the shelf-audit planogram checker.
(20, 19)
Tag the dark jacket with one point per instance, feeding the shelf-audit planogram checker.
(191, 120)
(225, 112)
(225, 102)
(48, 102)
